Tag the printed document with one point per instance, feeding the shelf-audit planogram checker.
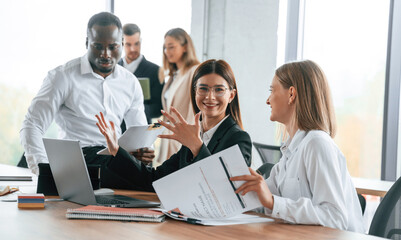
(237, 219)
(136, 137)
(203, 190)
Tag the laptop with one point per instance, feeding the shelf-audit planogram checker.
(72, 179)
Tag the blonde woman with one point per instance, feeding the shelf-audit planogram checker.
(179, 60)
(311, 183)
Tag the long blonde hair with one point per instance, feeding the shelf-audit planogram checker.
(189, 57)
(313, 105)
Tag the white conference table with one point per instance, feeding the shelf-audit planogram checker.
(363, 185)
(51, 221)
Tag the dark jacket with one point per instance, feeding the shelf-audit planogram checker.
(141, 177)
(150, 70)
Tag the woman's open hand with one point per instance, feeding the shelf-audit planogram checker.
(109, 133)
(187, 134)
(256, 183)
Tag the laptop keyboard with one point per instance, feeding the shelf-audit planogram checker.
(108, 201)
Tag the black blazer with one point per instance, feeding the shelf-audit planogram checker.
(151, 71)
(141, 177)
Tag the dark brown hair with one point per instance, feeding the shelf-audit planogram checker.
(130, 29)
(223, 69)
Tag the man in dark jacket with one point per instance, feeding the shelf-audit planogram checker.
(146, 72)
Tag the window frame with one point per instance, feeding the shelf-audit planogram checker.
(294, 51)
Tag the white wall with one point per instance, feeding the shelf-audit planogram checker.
(244, 33)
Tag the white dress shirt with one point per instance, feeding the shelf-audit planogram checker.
(72, 94)
(207, 136)
(133, 65)
(177, 79)
(311, 184)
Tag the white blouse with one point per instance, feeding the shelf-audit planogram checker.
(311, 184)
(169, 93)
(207, 136)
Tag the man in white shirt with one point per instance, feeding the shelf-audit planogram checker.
(73, 93)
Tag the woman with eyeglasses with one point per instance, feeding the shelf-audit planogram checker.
(217, 126)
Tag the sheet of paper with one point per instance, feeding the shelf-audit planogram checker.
(15, 178)
(136, 137)
(238, 219)
(203, 190)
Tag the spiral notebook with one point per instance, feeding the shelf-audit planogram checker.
(115, 213)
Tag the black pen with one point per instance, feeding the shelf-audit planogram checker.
(186, 219)
(232, 185)
(177, 213)
(193, 221)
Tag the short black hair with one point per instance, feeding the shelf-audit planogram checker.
(104, 19)
(130, 29)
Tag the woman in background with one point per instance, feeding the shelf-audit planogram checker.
(179, 60)
(311, 183)
(215, 101)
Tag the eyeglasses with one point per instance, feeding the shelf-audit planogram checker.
(218, 91)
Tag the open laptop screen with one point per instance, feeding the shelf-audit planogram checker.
(72, 179)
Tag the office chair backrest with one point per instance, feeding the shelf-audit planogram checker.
(22, 162)
(387, 219)
(362, 201)
(265, 169)
(268, 153)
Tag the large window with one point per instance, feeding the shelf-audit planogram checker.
(348, 39)
(40, 35)
(36, 37)
(154, 18)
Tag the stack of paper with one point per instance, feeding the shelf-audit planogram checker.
(207, 196)
(15, 178)
(238, 219)
(115, 213)
(32, 200)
